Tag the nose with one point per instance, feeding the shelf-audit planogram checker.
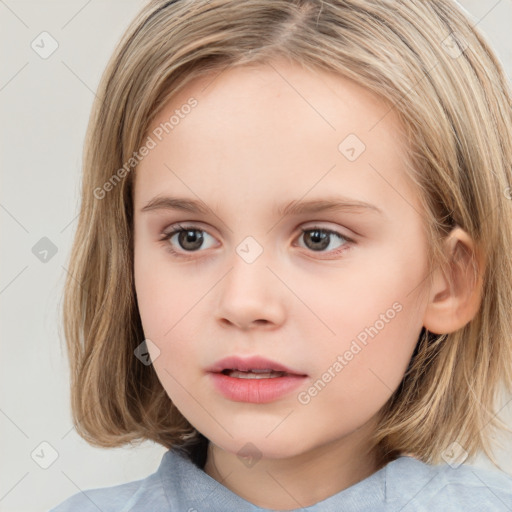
(251, 295)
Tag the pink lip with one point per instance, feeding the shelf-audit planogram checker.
(256, 391)
(250, 363)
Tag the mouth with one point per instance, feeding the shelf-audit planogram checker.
(254, 367)
(254, 374)
(254, 380)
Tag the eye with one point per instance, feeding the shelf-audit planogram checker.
(318, 239)
(191, 239)
(188, 238)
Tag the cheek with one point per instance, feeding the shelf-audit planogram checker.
(166, 300)
(149, 283)
(376, 297)
(377, 316)
(356, 378)
(378, 356)
(161, 297)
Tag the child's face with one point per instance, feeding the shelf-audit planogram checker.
(345, 314)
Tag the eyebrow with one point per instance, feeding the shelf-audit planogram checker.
(175, 203)
(293, 208)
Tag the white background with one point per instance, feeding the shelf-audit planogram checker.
(45, 105)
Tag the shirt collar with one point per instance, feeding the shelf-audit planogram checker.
(188, 487)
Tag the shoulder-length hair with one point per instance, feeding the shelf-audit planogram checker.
(442, 80)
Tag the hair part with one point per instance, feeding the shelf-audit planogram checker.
(456, 117)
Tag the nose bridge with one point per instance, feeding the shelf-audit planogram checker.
(250, 292)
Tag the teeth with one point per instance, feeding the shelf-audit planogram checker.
(254, 374)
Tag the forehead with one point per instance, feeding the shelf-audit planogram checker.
(281, 92)
(275, 124)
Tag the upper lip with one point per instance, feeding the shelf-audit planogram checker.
(250, 363)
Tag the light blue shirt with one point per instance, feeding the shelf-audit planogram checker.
(403, 485)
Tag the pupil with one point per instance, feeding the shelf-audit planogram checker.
(189, 240)
(318, 236)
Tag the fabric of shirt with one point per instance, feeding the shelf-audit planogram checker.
(403, 485)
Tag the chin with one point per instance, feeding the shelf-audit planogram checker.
(257, 445)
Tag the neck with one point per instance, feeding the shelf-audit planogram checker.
(297, 481)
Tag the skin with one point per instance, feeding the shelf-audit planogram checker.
(258, 138)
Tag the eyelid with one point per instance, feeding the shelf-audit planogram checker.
(334, 230)
(178, 226)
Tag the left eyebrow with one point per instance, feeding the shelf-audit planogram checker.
(292, 208)
(328, 204)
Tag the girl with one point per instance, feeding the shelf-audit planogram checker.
(292, 265)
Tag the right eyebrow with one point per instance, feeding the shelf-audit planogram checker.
(175, 203)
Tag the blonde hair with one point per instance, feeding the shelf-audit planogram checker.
(440, 78)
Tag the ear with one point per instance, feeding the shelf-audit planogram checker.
(456, 291)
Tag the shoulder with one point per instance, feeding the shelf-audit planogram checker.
(175, 485)
(119, 497)
(420, 487)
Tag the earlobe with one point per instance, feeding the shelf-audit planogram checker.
(456, 291)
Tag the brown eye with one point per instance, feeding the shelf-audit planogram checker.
(190, 239)
(186, 239)
(318, 239)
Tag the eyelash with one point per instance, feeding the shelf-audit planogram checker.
(178, 228)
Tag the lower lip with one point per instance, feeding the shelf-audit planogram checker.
(255, 391)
